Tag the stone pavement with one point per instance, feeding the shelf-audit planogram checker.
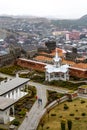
(34, 116)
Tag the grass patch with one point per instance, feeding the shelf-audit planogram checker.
(78, 118)
(11, 70)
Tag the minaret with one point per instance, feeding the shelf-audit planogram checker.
(57, 59)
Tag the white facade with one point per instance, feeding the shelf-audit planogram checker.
(57, 71)
(67, 37)
(11, 92)
(6, 106)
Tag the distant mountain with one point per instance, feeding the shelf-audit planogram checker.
(83, 17)
(60, 23)
(5, 17)
(83, 20)
(71, 24)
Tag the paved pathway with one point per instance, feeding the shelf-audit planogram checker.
(35, 113)
(75, 82)
(5, 75)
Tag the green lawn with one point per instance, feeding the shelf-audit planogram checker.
(76, 112)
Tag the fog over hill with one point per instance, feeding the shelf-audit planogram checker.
(71, 23)
(61, 23)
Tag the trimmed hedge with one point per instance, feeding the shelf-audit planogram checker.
(65, 84)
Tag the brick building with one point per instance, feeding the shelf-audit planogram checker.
(73, 36)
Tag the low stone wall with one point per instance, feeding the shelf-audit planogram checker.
(72, 96)
(82, 90)
(58, 101)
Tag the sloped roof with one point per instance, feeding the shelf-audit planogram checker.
(6, 102)
(52, 68)
(80, 65)
(12, 84)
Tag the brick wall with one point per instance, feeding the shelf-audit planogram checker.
(81, 73)
(31, 64)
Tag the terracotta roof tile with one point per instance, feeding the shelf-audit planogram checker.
(60, 53)
(80, 65)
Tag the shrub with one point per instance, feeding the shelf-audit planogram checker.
(60, 116)
(77, 118)
(65, 107)
(22, 112)
(71, 114)
(2, 128)
(47, 127)
(15, 122)
(10, 70)
(76, 110)
(1, 79)
(83, 114)
(70, 100)
(66, 84)
(38, 78)
(53, 114)
(82, 101)
(63, 125)
(69, 123)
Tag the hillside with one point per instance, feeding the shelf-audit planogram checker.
(71, 24)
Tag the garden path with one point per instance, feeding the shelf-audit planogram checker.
(35, 114)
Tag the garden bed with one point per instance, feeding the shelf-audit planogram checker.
(53, 95)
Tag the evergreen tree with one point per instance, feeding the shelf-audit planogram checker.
(69, 122)
(62, 125)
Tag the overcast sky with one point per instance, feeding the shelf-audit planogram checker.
(54, 8)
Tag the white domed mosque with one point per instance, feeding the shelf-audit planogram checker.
(57, 71)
